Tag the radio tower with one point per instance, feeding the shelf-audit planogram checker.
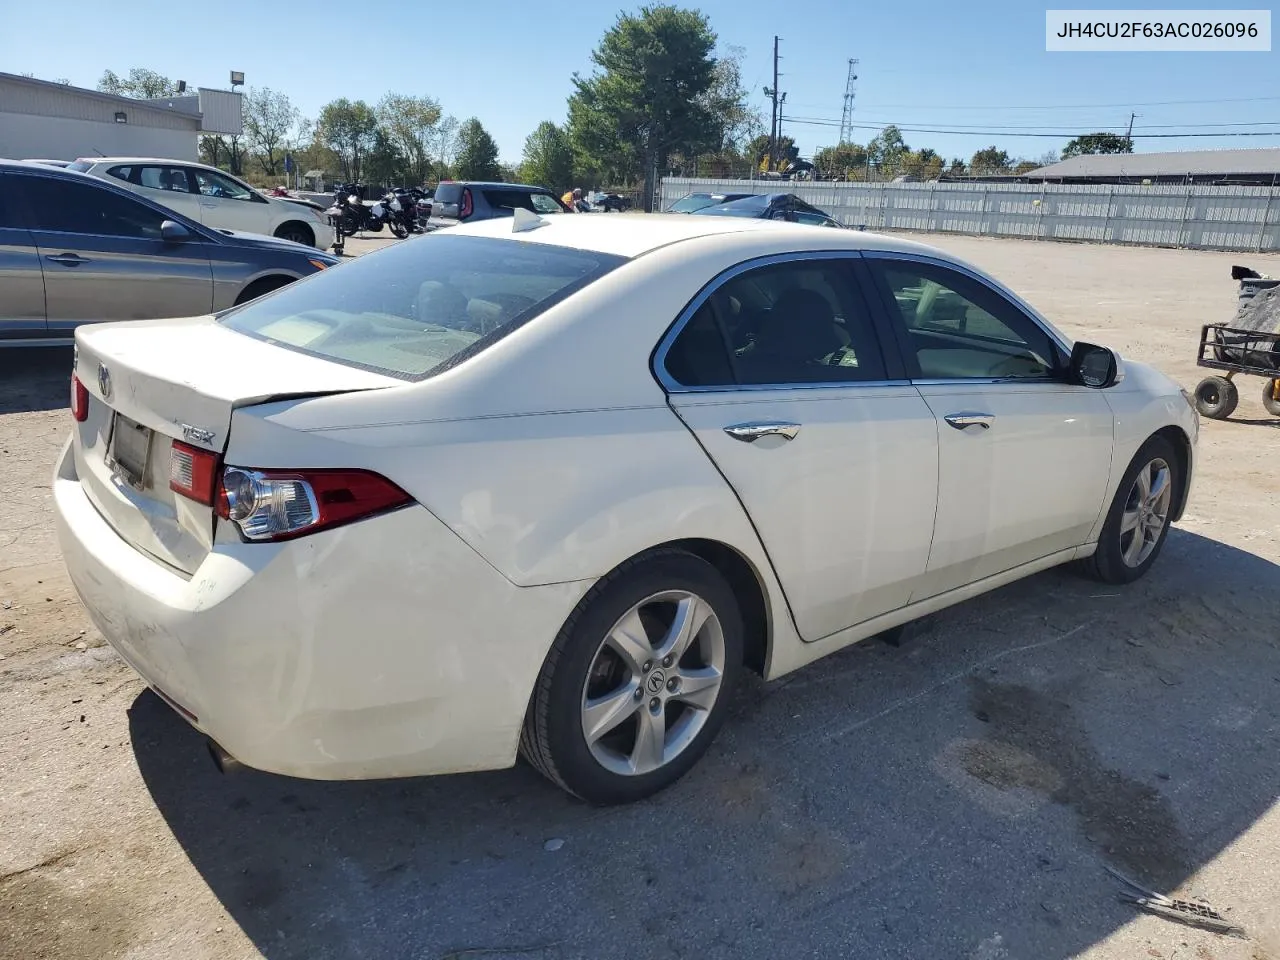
(846, 118)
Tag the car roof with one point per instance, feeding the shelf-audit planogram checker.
(492, 183)
(634, 235)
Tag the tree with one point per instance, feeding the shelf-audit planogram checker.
(1088, 143)
(548, 158)
(888, 150)
(411, 124)
(141, 83)
(988, 161)
(923, 163)
(1024, 166)
(268, 118)
(845, 161)
(726, 101)
(1049, 157)
(444, 146)
(349, 129)
(957, 168)
(648, 95)
(477, 153)
(384, 163)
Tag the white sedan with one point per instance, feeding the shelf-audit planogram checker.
(213, 197)
(551, 486)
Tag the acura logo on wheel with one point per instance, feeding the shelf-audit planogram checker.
(655, 681)
(104, 381)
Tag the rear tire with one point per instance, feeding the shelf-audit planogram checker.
(1216, 398)
(626, 703)
(399, 229)
(297, 232)
(1138, 521)
(1271, 397)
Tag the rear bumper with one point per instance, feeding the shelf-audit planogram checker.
(385, 648)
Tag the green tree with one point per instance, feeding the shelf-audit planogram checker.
(477, 153)
(268, 118)
(887, 149)
(1097, 143)
(845, 161)
(349, 129)
(548, 158)
(648, 95)
(141, 83)
(384, 163)
(444, 146)
(411, 124)
(923, 163)
(988, 161)
(1024, 166)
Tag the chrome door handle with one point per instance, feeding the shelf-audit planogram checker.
(70, 259)
(962, 420)
(751, 432)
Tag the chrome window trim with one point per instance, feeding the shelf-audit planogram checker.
(672, 386)
(992, 285)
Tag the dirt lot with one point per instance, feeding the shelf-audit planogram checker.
(957, 796)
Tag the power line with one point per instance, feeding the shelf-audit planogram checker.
(1074, 106)
(1024, 133)
(871, 122)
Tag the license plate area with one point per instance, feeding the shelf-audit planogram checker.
(128, 450)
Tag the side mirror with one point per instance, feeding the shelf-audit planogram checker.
(173, 232)
(1094, 366)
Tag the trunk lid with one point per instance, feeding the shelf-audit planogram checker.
(154, 382)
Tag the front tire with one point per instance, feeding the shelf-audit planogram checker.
(638, 680)
(1137, 524)
(297, 232)
(1216, 398)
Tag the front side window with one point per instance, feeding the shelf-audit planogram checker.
(213, 184)
(69, 206)
(542, 203)
(958, 328)
(791, 323)
(415, 309)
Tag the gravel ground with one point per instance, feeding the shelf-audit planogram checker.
(957, 796)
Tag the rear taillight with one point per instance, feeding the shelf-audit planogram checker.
(193, 473)
(465, 210)
(79, 400)
(282, 504)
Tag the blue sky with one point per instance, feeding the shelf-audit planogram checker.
(927, 64)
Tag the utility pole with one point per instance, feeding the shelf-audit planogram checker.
(772, 94)
(1128, 137)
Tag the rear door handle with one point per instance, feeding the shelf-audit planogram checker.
(751, 432)
(962, 421)
(69, 259)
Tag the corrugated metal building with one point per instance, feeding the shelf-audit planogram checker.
(1260, 167)
(56, 121)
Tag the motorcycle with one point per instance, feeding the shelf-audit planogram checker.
(398, 210)
(349, 215)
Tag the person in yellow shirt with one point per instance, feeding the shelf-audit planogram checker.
(572, 198)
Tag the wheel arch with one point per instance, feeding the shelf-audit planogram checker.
(263, 285)
(1182, 447)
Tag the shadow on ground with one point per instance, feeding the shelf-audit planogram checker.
(956, 795)
(34, 378)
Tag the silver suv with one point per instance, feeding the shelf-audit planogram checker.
(461, 201)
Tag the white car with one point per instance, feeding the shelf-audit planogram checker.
(213, 197)
(551, 485)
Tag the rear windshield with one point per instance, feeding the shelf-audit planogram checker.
(745, 207)
(694, 201)
(501, 198)
(449, 193)
(421, 306)
(80, 166)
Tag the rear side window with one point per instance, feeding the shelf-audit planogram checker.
(120, 173)
(418, 308)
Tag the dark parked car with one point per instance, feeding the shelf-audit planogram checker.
(772, 206)
(464, 201)
(609, 202)
(697, 201)
(76, 249)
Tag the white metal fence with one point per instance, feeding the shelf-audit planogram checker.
(1200, 217)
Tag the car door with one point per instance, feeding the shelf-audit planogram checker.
(168, 185)
(778, 371)
(21, 279)
(104, 258)
(1024, 455)
(226, 204)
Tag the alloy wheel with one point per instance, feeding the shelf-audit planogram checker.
(1146, 512)
(653, 683)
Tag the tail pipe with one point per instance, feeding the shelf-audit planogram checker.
(225, 762)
